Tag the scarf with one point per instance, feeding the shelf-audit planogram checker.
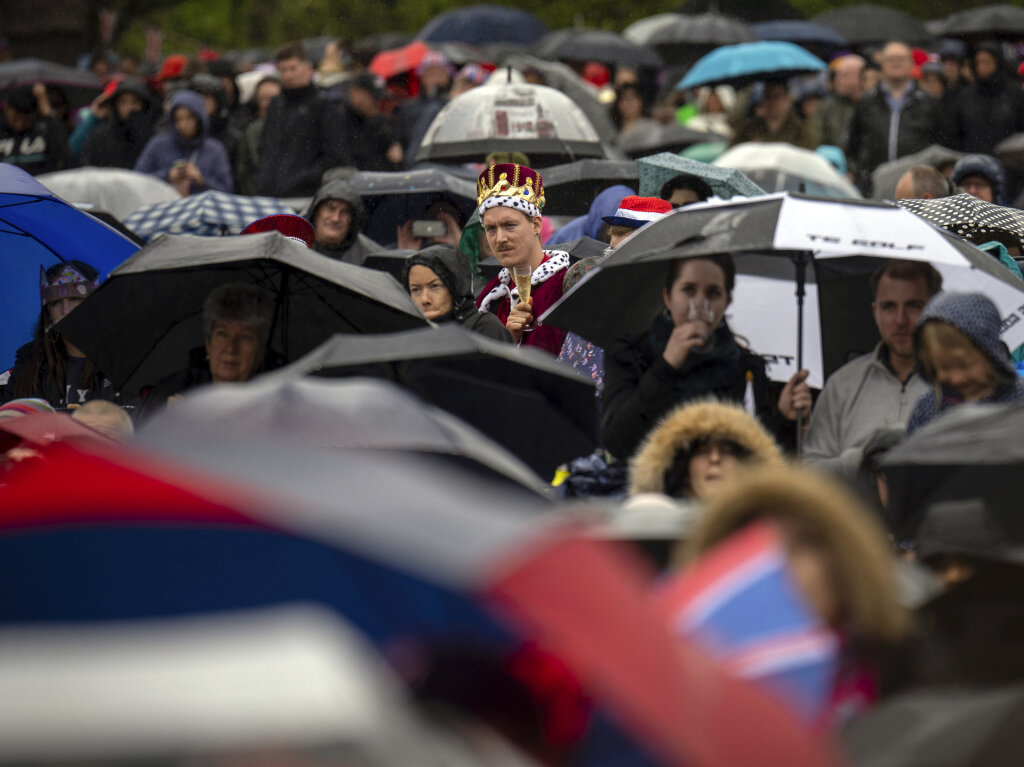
(557, 261)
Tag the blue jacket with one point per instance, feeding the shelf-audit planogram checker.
(208, 154)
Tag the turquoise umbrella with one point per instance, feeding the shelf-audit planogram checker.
(742, 64)
(724, 182)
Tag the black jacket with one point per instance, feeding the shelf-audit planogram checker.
(48, 388)
(43, 148)
(303, 137)
(640, 387)
(986, 112)
(868, 145)
(118, 143)
(370, 137)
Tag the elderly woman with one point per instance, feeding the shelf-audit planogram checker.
(236, 327)
(440, 283)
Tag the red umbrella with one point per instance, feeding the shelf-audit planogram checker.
(43, 428)
(388, 64)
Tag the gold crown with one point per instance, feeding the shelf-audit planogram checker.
(511, 180)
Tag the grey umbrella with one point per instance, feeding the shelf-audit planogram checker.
(871, 24)
(724, 182)
(1010, 151)
(578, 44)
(885, 177)
(1003, 21)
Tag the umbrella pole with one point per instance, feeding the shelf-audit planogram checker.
(800, 261)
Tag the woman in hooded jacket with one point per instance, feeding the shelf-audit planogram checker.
(698, 449)
(961, 356)
(184, 155)
(989, 109)
(440, 283)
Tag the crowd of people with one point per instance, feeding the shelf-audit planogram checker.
(688, 415)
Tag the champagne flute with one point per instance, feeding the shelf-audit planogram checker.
(522, 274)
(702, 312)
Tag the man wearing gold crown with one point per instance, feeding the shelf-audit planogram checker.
(511, 198)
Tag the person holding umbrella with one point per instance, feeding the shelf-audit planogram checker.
(511, 198)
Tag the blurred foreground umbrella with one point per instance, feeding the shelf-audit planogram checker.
(484, 23)
(384, 41)
(885, 177)
(330, 414)
(443, 561)
(782, 167)
(976, 220)
(724, 182)
(1003, 22)
(41, 429)
(800, 32)
(672, 137)
(682, 39)
(770, 236)
(114, 190)
(540, 121)
(870, 24)
(570, 188)
(209, 214)
(140, 326)
(388, 64)
(38, 229)
(601, 45)
(486, 383)
(79, 87)
(746, 63)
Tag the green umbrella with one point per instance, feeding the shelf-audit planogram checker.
(725, 182)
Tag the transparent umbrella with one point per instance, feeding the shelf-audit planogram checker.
(117, 191)
(781, 167)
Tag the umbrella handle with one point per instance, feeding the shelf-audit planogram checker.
(800, 262)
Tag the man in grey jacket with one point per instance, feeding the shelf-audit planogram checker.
(878, 389)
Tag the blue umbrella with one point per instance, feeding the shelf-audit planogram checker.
(38, 229)
(208, 214)
(479, 24)
(799, 31)
(745, 63)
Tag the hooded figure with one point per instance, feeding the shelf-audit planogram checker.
(332, 237)
(665, 461)
(168, 151)
(119, 142)
(451, 268)
(960, 354)
(987, 167)
(989, 109)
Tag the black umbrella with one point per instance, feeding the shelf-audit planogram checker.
(79, 87)
(663, 138)
(524, 400)
(973, 451)
(595, 45)
(682, 39)
(572, 187)
(869, 24)
(141, 324)
(321, 413)
(749, 10)
(1003, 21)
(973, 219)
(940, 727)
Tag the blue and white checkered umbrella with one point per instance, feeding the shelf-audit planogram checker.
(208, 214)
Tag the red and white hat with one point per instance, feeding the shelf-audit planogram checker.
(636, 211)
(291, 226)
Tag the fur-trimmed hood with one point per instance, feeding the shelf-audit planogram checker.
(688, 423)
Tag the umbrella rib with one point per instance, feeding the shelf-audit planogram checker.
(28, 234)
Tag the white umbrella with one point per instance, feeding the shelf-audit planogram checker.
(117, 191)
(781, 167)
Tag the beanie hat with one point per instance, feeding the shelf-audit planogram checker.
(974, 315)
(635, 211)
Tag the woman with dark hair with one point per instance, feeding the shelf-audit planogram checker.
(690, 353)
(50, 367)
(631, 112)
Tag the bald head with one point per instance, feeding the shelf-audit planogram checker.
(922, 182)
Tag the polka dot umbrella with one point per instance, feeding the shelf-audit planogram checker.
(971, 218)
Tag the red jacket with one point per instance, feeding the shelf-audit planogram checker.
(546, 337)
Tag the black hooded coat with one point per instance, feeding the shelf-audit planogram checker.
(988, 111)
(356, 246)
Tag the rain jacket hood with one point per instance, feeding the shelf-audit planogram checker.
(453, 269)
(194, 103)
(974, 315)
(983, 165)
(339, 189)
(684, 426)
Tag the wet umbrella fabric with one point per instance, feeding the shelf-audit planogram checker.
(447, 560)
(782, 167)
(330, 414)
(1002, 21)
(885, 177)
(595, 45)
(801, 32)
(38, 229)
(114, 190)
(388, 64)
(976, 220)
(662, 138)
(140, 326)
(208, 214)
(484, 23)
(682, 39)
(742, 64)
(79, 87)
(868, 24)
(766, 234)
(570, 188)
(490, 385)
(724, 182)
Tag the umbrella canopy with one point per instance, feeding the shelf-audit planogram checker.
(672, 137)
(140, 326)
(575, 44)
(973, 219)
(38, 229)
(570, 188)
(682, 39)
(444, 560)
(799, 31)
(330, 414)
(885, 177)
(1002, 21)
(388, 64)
(1010, 151)
(117, 191)
(742, 64)
(870, 24)
(483, 382)
(208, 214)
(724, 182)
(782, 167)
(762, 10)
(932, 465)
(80, 87)
(391, 198)
(933, 727)
(628, 284)
(43, 428)
(484, 23)
(540, 121)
